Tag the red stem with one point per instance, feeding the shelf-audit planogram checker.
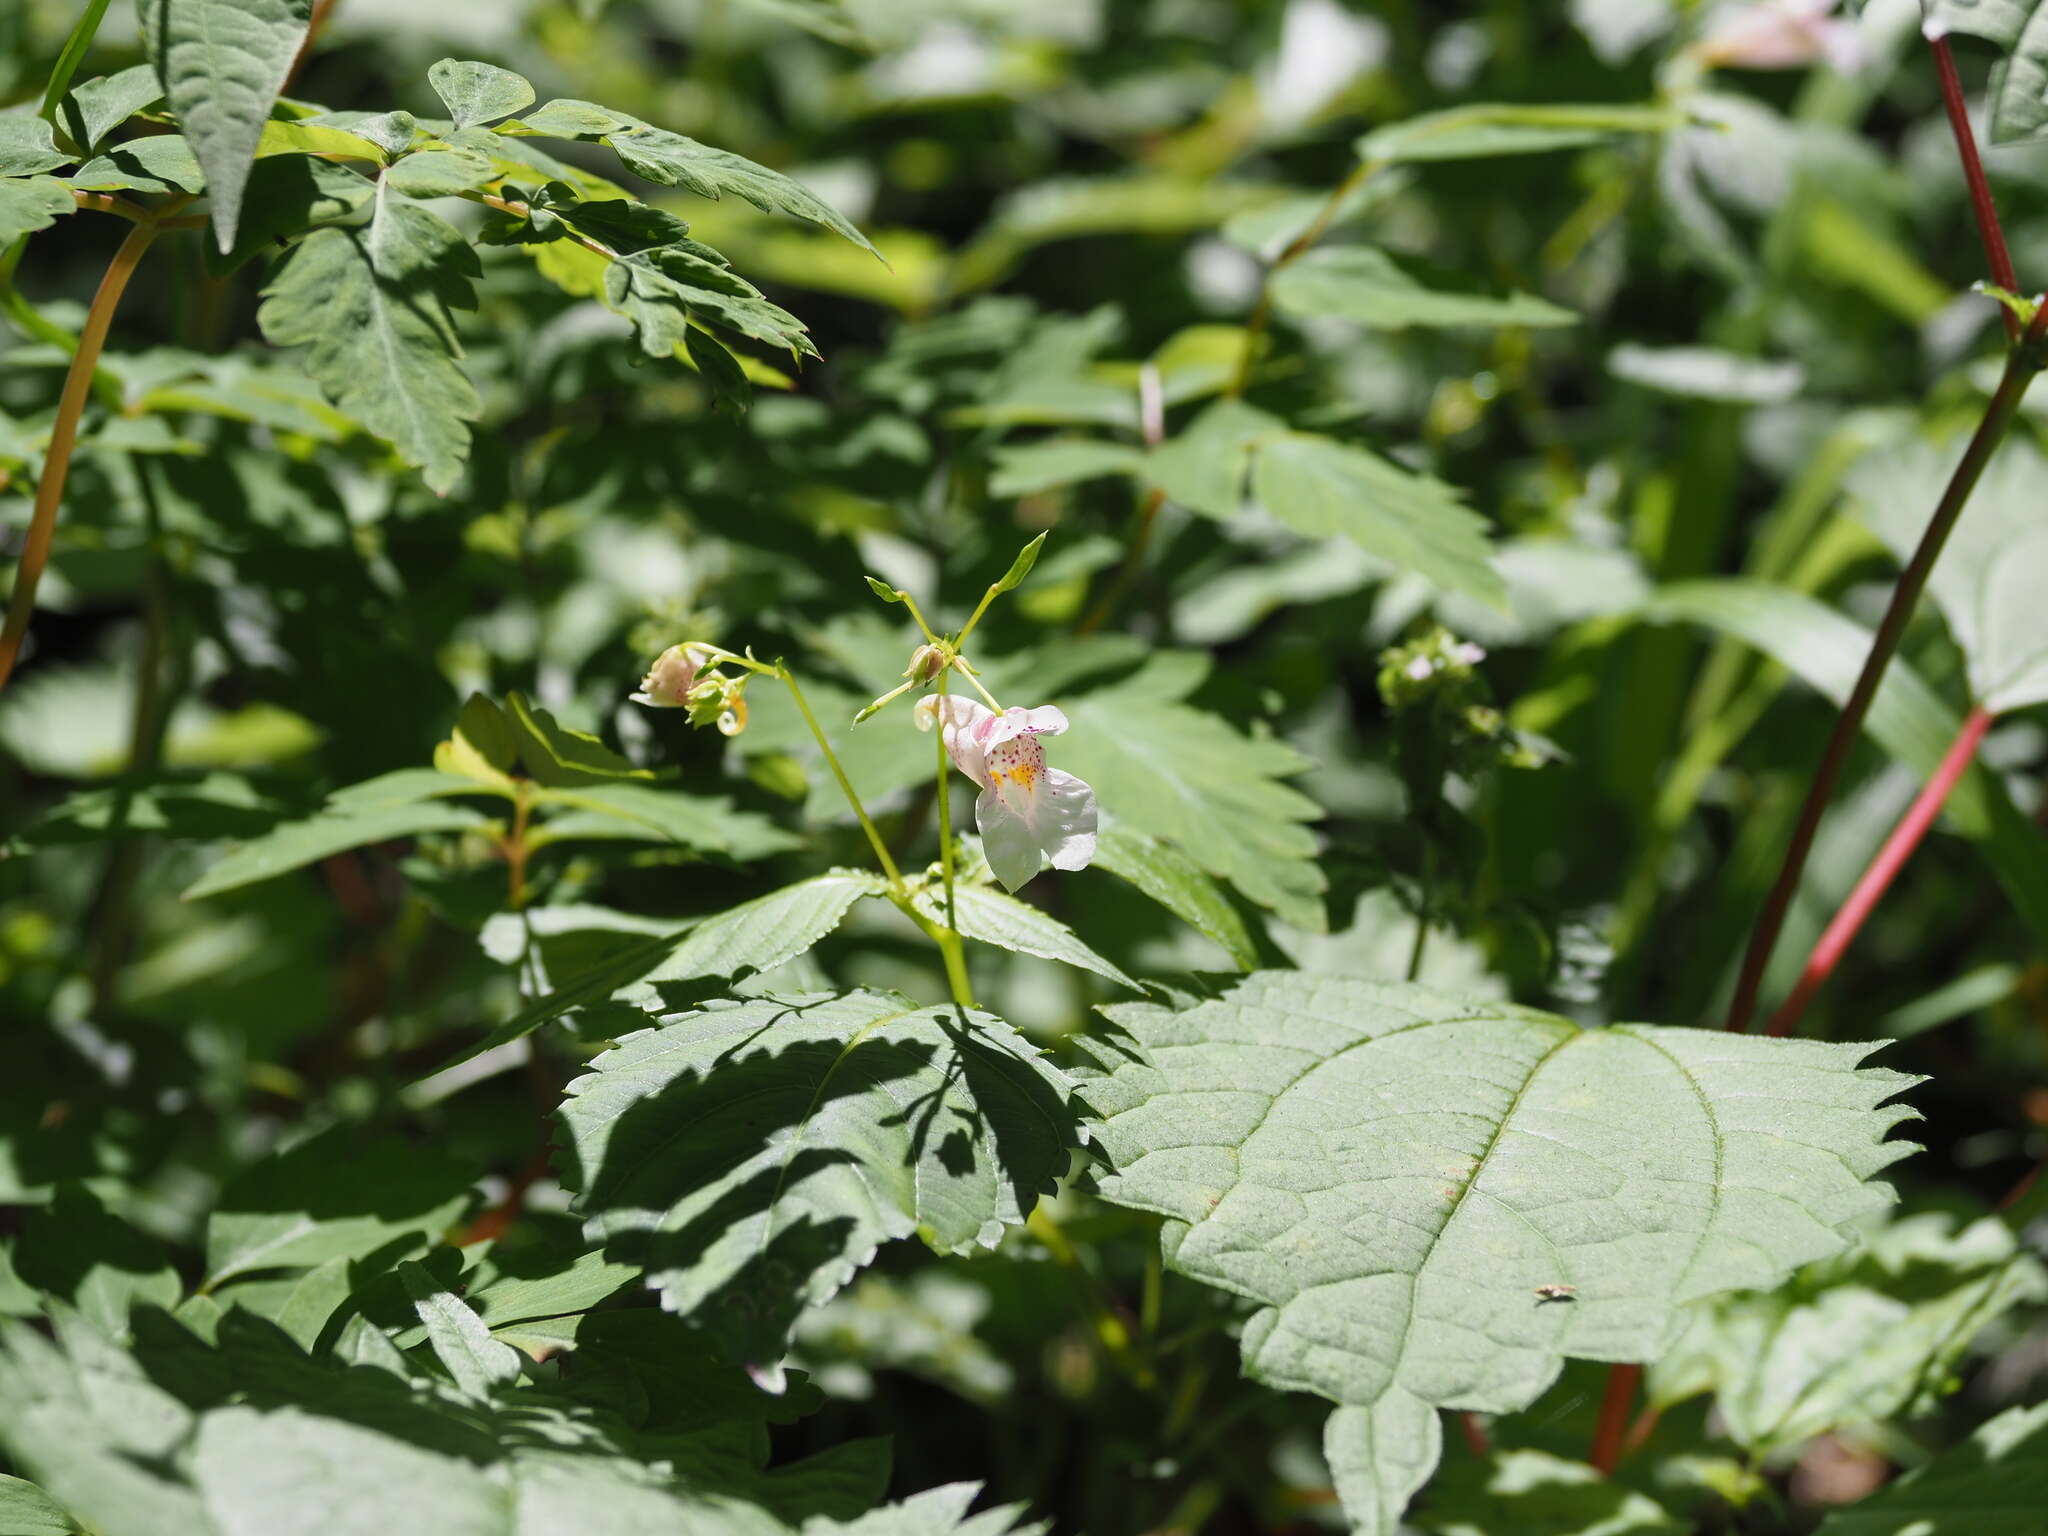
(1891, 858)
(2020, 367)
(1973, 172)
(1475, 1435)
(1607, 1437)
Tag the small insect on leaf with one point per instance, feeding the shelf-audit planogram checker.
(1555, 1292)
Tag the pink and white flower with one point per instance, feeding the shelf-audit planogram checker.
(1025, 808)
(1783, 34)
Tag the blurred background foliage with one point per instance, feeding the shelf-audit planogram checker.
(248, 610)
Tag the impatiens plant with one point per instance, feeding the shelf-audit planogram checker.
(1411, 522)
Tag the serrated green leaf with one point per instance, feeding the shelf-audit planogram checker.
(1992, 571)
(370, 306)
(1993, 1484)
(30, 204)
(990, 916)
(1391, 1173)
(332, 1196)
(660, 289)
(1854, 1340)
(768, 931)
(285, 194)
(478, 93)
(222, 63)
(162, 162)
(1182, 775)
(1319, 487)
(313, 1299)
(295, 844)
(751, 1156)
(722, 372)
(479, 1364)
(1174, 880)
(1906, 717)
(1486, 130)
(2019, 85)
(675, 161)
(1365, 284)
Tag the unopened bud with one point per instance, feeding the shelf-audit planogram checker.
(926, 663)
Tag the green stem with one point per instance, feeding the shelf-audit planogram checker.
(1262, 313)
(781, 670)
(1422, 911)
(949, 937)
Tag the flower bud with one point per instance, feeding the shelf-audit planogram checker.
(926, 663)
(668, 682)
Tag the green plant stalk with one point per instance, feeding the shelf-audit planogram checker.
(781, 670)
(1262, 312)
(517, 847)
(75, 47)
(2024, 361)
(949, 937)
(78, 380)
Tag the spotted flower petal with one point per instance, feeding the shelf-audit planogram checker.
(1025, 809)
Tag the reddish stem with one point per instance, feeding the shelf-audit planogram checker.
(1891, 858)
(2020, 367)
(1607, 1436)
(1475, 1435)
(1973, 172)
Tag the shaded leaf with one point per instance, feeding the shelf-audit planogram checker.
(1534, 1493)
(27, 147)
(478, 1363)
(1993, 1484)
(96, 108)
(295, 844)
(1174, 880)
(370, 306)
(162, 162)
(751, 1156)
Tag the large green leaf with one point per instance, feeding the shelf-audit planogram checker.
(1906, 717)
(1180, 774)
(1853, 1340)
(1993, 1484)
(1992, 571)
(1364, 283)
(676, 161)
(1319, 486)
(1391, 1174)
(751, 1156)
(222, 63)
(371, 308)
